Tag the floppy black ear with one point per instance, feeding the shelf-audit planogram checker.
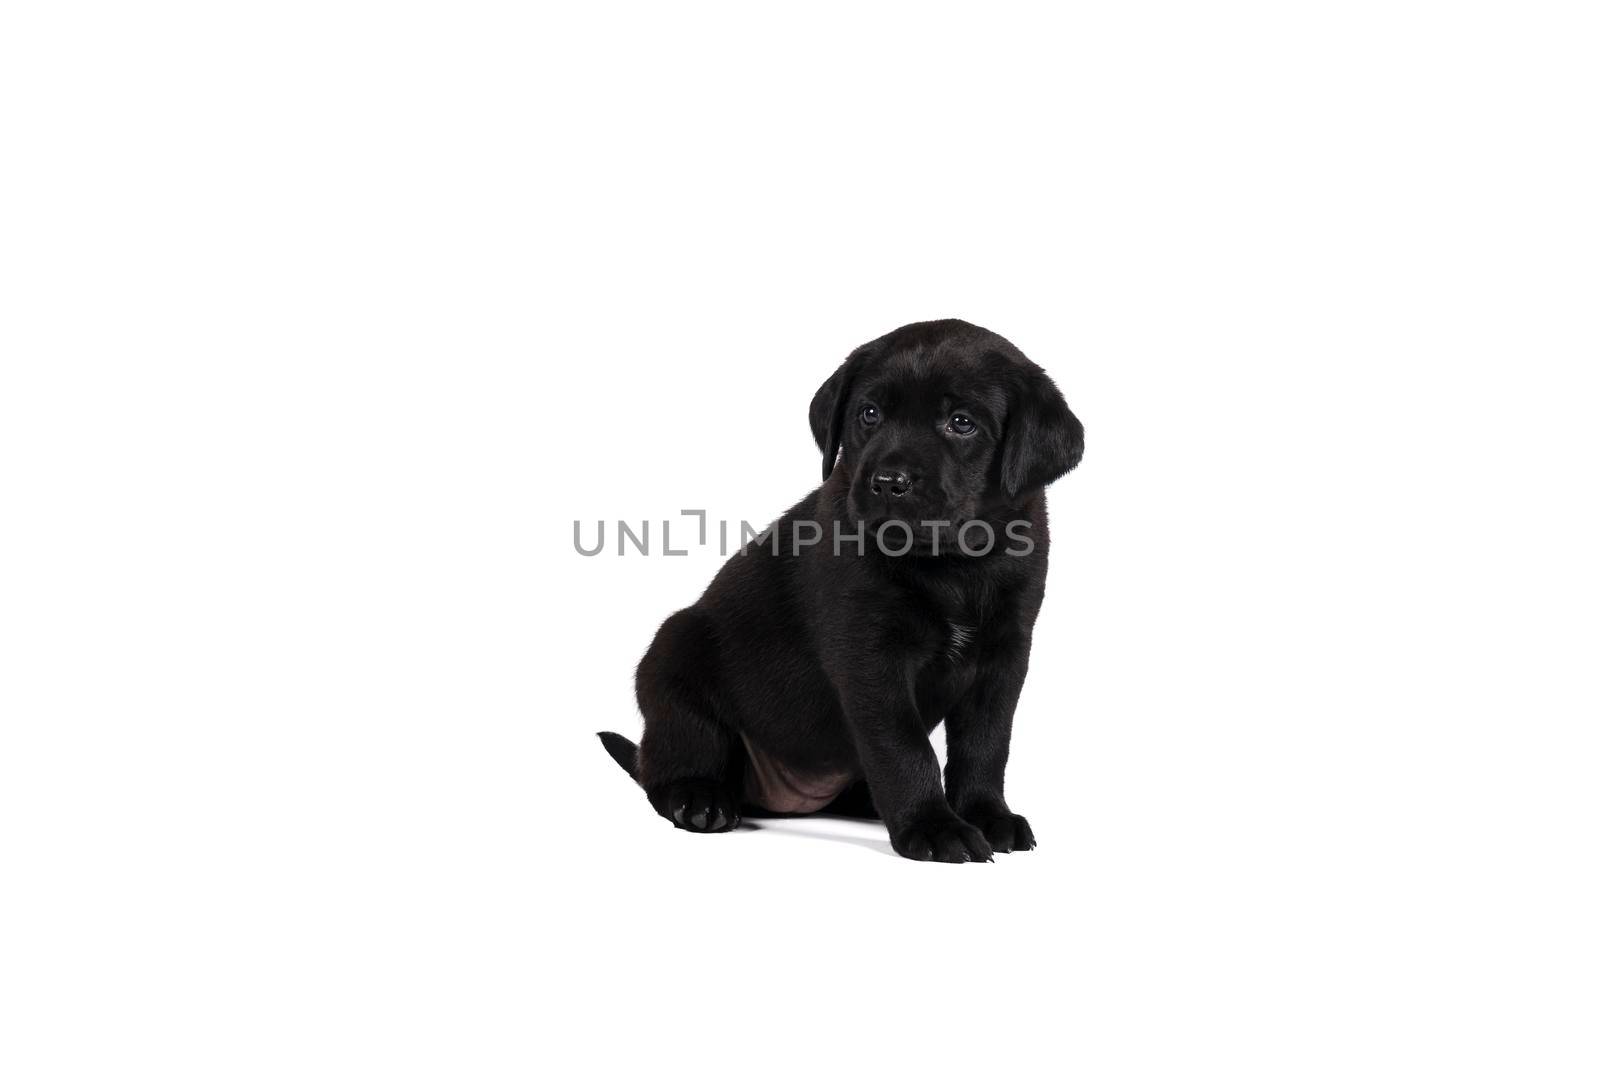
(1043, 438)
(827, 411)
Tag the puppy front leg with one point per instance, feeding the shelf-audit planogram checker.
(978, 733)
(903, 774)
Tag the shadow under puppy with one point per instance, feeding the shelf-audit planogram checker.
(810, 674)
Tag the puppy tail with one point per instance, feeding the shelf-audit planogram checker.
(625, 752)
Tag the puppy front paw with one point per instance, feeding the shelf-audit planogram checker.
(698, 805)
(1005, 831)
(943, 837)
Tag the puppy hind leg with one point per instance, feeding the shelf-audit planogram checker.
(690, 764)
(687, 766)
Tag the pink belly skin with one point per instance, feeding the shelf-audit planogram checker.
(787, 792)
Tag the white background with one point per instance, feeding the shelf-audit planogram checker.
(321, 324)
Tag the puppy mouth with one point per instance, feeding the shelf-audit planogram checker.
(920, 521)
(922, 526)
(925, 532)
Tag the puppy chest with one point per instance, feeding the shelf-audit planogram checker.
(959, 641)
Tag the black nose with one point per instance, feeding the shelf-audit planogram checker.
(897, 482)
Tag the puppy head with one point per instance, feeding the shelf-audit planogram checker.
(942, 422)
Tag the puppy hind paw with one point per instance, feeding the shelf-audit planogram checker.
(699, 805)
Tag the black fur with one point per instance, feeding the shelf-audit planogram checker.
(821, 670)
(625, 752)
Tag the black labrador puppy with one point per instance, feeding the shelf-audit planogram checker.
(899, 594)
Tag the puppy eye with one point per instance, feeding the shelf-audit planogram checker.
(870, 416)
(961, 424)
